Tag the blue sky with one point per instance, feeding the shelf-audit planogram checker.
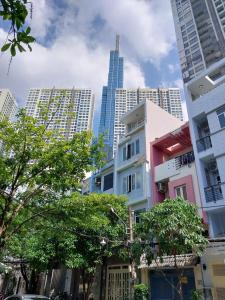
(74, 38)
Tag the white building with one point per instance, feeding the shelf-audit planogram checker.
(143, 124)
(206, 109)
(168, 99)
(8, 104)
(200, 31)
(70, 110)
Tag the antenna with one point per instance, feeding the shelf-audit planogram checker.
(117, 42)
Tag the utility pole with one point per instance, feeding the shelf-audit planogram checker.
(131, 240)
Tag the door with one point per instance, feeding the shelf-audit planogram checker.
(161, 285)
(118, 282)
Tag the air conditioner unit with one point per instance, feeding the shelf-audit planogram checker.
(162, 187)
(97, 180)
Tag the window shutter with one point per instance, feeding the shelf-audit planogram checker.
(133, 181)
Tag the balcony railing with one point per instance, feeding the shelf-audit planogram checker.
(204, 143)
(135, 125)
(184, 159)
(213, 193)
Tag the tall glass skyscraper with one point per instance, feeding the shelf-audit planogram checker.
(115, 80)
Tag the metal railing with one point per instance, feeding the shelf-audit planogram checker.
(204, 143)
(184, 159)
(135, 125)
(213, 193)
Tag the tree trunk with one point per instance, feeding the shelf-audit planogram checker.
(75, 282)
(23, 269)
(33, 282)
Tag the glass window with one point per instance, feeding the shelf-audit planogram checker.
(221, 116)
(138, 180)
(124, 153)
(137, 147)
(108, 182)
(181, 191)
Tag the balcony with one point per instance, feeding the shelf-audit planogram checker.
(133, 126)
(184, 159)
(204, 143)
(172, 167)
(213, 193)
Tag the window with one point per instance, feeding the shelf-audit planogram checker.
(221, 116)
(181, 191)
(137, 147)
(131, 182)
(137, 217)
(108, 182)
(131, 149)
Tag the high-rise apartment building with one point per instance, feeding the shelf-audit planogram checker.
(200, 31)
(168, 99)
(8, 104)
(115, 80)
(204, 79)
(70, 110)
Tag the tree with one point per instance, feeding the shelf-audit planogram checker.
(70, 235)
(15, 12)
(177, 229)
(39, 166)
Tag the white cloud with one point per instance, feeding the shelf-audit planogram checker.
(133, 75)
(42, 16)
(173, 68)
(73, 52)
(146, 27)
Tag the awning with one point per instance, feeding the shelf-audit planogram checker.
(168, 262)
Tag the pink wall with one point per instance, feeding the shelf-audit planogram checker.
(156, 158)
(187, 180)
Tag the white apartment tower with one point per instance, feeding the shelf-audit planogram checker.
(202, 58)
(200, 31)
(168, 99)
(8, 104)
(70, 110)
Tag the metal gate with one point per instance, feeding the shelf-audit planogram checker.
(118, 282)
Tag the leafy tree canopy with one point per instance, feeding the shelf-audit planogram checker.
(172, 228)
(175, 225)
(69, 233)
(39, 166)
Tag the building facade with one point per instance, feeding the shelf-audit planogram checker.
(204, 78)
(200, 31)
(132, 161)
(115, 80)
(206, 108)
(8, 104)
(168, 99)
(69, 110)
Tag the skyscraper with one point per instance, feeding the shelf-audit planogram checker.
(8, 104)
(115, 80)
(71, 111)
(200, 31)
(168, 99)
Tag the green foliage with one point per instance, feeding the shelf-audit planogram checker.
(39, 166)
(16, 12)
(140, 292)
(69, 232)
(197, 295)
(176, 226)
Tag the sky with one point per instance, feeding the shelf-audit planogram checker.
(74, 38)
